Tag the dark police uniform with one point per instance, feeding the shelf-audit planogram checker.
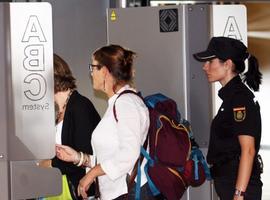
(238, 115)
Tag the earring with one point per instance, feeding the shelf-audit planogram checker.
(104, 85)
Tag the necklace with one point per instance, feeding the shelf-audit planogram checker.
(60, 115)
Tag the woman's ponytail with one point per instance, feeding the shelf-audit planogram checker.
(253, 76)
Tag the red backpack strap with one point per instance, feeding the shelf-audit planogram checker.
(134, 171)
(124, 92)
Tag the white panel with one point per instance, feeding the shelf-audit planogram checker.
(230, 21)
(227, 21)
(32, 76)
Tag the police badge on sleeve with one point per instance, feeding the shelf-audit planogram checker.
(239, 114)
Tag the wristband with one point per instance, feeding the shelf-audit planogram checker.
(77, 158)
(239, 193)
(86, 160)
(81, 159)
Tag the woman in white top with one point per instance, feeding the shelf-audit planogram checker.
(116, 144)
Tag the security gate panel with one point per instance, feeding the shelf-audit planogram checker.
(27, 105)
(32, 81)
(165, 39)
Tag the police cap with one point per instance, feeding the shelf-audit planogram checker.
(223, 48)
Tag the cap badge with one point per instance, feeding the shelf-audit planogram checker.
(239, 114)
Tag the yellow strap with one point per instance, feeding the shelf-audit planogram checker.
(178, 126)
(177, 174)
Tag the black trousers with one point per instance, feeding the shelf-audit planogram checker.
(225, 187)
(225, 176)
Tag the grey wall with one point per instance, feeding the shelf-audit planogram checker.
(79, 27)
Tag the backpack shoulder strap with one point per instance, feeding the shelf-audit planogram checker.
(124, 92)
(140, 159)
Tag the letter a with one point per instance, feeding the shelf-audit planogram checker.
(33, 30)
(231, 29)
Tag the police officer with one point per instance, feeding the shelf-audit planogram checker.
(236, 129)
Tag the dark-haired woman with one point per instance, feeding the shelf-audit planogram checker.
(236, 129)
(75, 121)
(116, 144)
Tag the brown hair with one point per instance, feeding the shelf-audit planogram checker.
(63, 78)
(117, 60)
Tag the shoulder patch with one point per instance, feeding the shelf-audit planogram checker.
(239, 114)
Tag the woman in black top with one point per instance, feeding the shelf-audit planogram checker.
(76, 119)
(236, 129)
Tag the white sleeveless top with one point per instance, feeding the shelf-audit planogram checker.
(58, 130)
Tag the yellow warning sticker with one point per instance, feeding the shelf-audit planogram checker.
(113, 16)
